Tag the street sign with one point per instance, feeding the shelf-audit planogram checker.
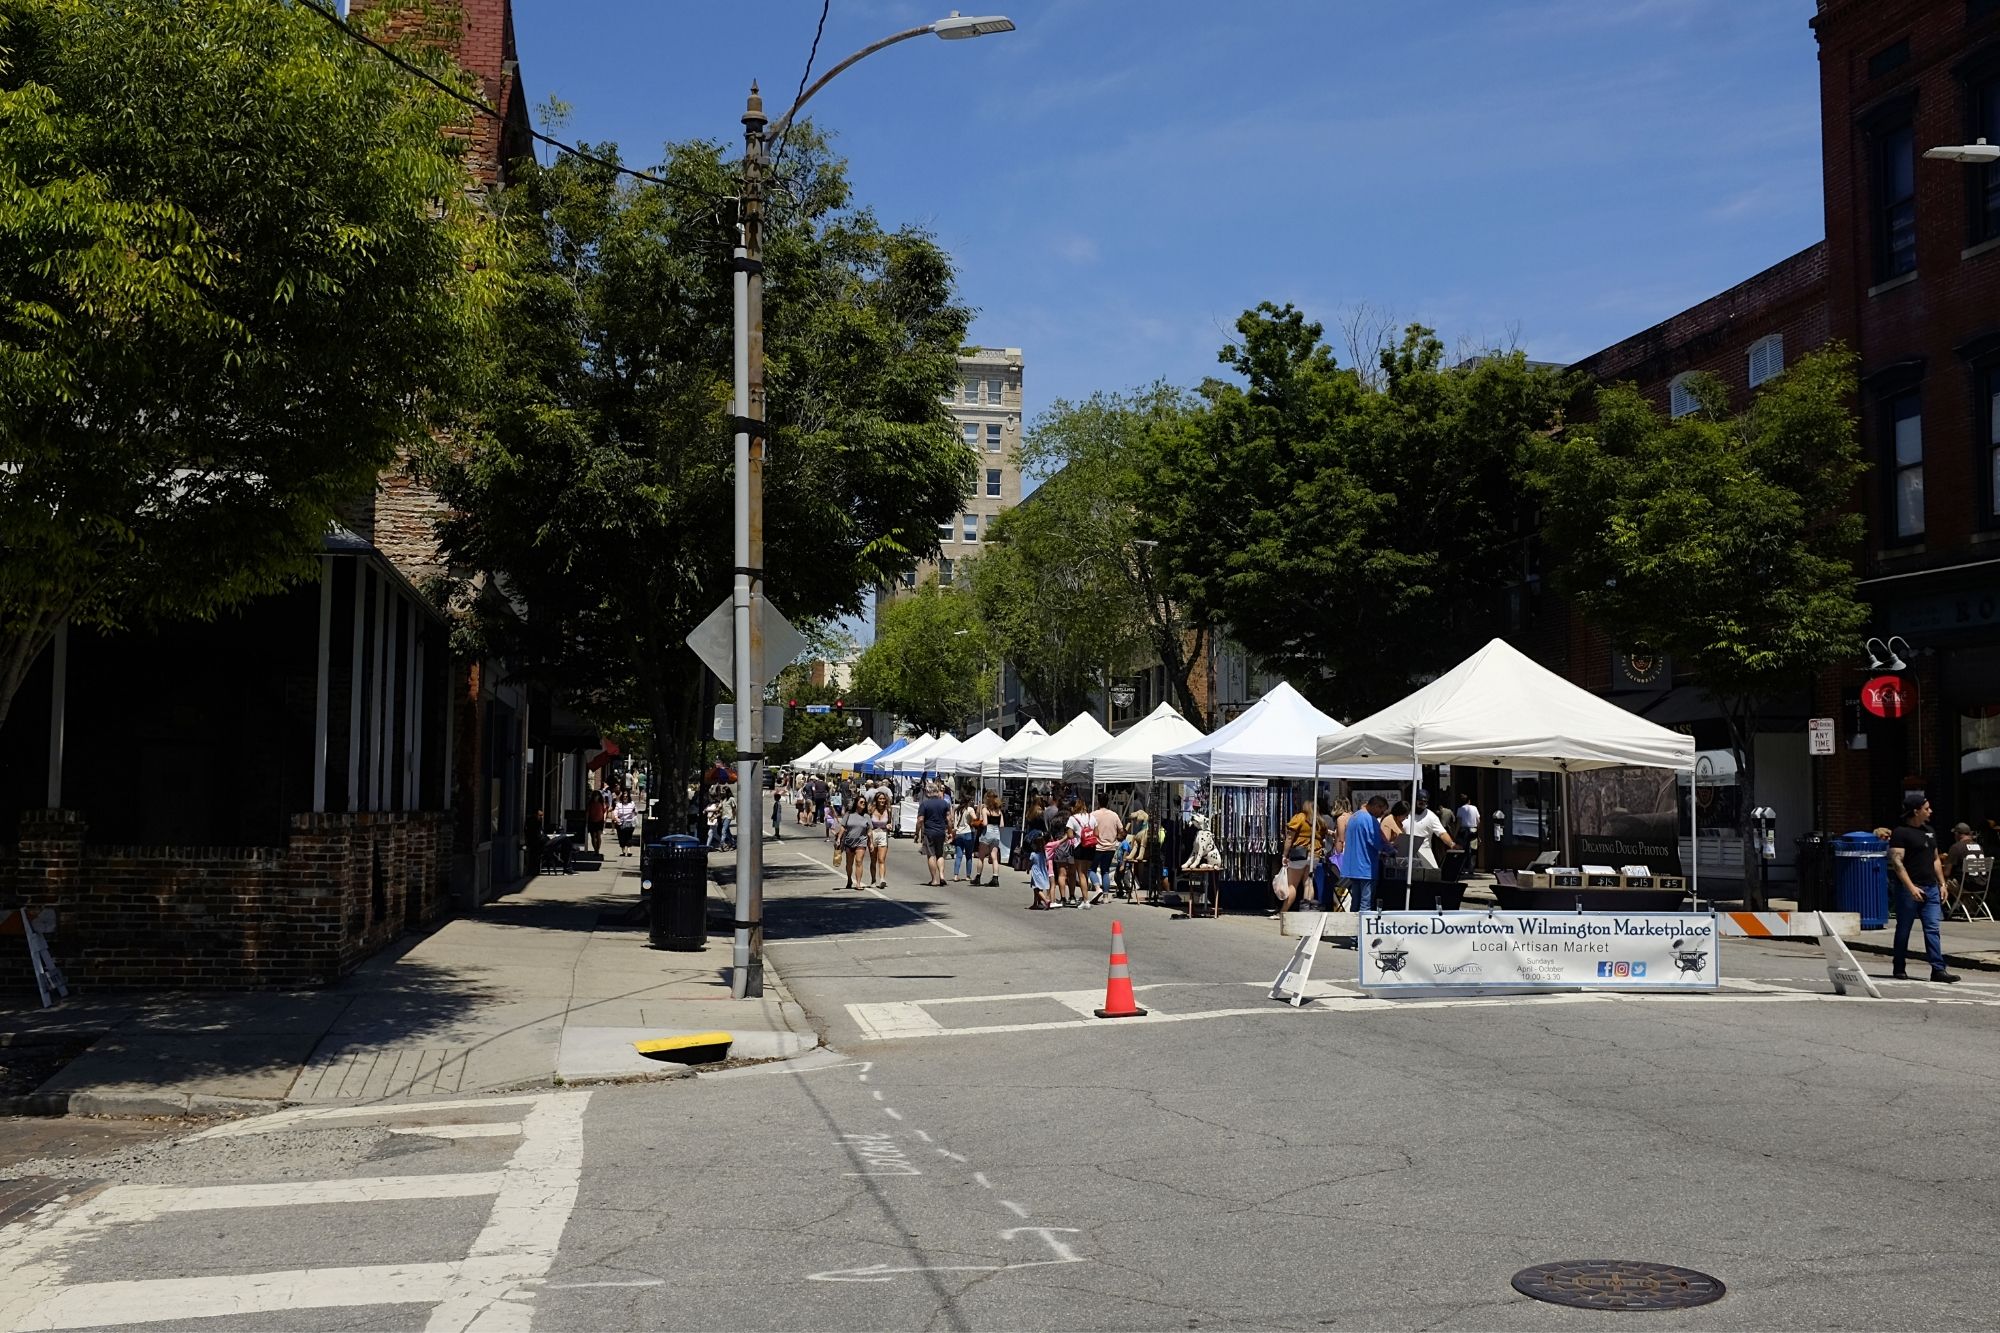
(714, 640)
(1883, 696)
(725, 723)
(1819, 735)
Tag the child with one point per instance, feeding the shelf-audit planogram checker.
(1037, 840)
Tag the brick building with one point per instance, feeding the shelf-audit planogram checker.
(1908, 277)
(1913, 284)
(264, 800)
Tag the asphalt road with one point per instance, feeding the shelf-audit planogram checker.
(980, 1154)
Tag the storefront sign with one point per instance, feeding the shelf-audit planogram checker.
(1641, 671)
(1883, 696)
(1411, 951)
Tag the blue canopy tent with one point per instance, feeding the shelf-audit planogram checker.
(874, 763)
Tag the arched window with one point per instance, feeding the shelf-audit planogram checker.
(1680, 395)
(1767, 358)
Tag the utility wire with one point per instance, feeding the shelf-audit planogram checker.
(475, 103)
(778, 153)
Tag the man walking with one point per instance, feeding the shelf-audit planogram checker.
(934, 831)
(1104, 861)
(1361, 859)
(1916, 880)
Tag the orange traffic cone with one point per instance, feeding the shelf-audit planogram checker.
(1118, 1000)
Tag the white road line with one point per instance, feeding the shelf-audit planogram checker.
(892, 1113)
(946, 1152)
(920, 1134)
(877, 1094)
(278, 1120)
(503, 1130)
(1014, 1208)
(892, 1019)
(526, 1225)
(979, 1179)
(90, 1304)
(586, 1286)
(923, 915)
(139, 1202)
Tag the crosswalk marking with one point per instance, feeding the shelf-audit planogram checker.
(490, 1290)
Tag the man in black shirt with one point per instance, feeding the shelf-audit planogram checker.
(1916, 885)
(934, 832)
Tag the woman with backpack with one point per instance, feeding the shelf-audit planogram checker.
(1081, 831)
(988, 849)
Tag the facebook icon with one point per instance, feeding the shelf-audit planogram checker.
(1603, 969)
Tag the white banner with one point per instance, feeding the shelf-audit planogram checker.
(1598, 950)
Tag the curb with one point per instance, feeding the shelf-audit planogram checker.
(1977, 962)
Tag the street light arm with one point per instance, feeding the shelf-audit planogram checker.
(771, 135)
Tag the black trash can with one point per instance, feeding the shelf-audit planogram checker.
(673, 874)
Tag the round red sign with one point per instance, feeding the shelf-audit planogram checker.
(1883, 696)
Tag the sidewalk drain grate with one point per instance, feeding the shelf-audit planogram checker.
(1618, 1284)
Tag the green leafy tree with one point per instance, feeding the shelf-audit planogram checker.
(1352, 533)
(931, 663)
(238, 273)
(600, 485)
(1725, 541)
(804, 730)
(1053, 599)
(1099, 453)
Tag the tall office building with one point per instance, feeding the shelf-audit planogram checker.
(987, 405)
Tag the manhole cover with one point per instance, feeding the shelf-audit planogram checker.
(1618, 1284)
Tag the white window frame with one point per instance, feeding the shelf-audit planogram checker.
(946, 532)
(996, 392)
(995, 439)
(970, 433)
(993, 483)
(1766, 358)
(1680, 399)
(944, 572)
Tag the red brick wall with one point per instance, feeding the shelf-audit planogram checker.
(481, 37)
(1951, 298)
(227, 918)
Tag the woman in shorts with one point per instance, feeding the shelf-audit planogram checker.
(880, 821)
(989, 840)
(854, 844)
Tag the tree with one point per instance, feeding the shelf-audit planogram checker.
(238, 273)
(1350, 535)
(804, 730)
(1048, 592)
(1723, 541)
(599, 485)
(931, 663)
(1099, 452)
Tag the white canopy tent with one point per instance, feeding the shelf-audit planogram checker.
(806, 761)
(1274, 738)
(1027, 738)
(914, 760)
(845, 759)
(1128, 756)
(1046, 758)
(1500, 708)
(968, 754)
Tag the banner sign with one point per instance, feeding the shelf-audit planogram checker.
(1409, 951)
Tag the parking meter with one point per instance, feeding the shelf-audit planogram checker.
(1764, 825)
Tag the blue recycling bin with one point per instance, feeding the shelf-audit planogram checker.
(1861, 877)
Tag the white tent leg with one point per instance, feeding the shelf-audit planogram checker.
(1694, 837)
(1410, 859)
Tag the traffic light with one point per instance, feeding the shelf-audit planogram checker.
(840, 705)
(791, 703)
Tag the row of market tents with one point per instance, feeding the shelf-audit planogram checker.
(1498, 709)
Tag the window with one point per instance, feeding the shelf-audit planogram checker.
(1888, 58)
(993, 483)
(1905, 416)
(944, 572)
(944, 531)
(1990, 410)
(1986, 179)
(972, 436)
(993, 392)
(1895, 202)
(1680, 397)
(993, 438)
(971, 527)
(909, 578)
(1767, 358)
(971, 390)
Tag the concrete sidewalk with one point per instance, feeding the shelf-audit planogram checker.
(546, 985)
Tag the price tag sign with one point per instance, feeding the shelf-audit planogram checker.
(1819, 735)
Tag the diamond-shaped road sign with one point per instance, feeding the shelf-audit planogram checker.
(714, 640)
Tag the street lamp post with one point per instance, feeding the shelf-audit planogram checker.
(746, 977)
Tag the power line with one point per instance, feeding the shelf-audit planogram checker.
(476, 104)
(778, 153)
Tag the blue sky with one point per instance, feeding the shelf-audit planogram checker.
(1119, 179)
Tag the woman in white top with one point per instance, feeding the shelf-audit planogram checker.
(626, 815)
